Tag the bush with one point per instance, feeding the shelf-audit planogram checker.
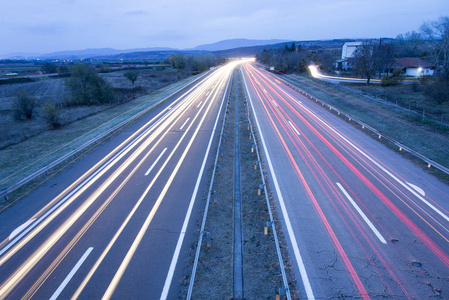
(392, 79)
(87, 87)
(50, 113)
(24, 106)
(438, 91)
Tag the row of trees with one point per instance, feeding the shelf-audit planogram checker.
(296, 58)
(195, 63)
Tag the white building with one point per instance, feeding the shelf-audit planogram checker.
(349, 49)
(347, 60)
(415, 67)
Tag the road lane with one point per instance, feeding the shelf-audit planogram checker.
(341, 254)
(132, 221)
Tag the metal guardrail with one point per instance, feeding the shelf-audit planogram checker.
(209, 195)
(401, 146)
(271, 223)
(45, 169)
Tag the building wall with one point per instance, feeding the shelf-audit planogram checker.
(349, 49)
(415, 72)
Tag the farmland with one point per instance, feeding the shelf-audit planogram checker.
(54, 90)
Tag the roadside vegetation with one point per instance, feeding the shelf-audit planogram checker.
(40, 115)
(414, 111)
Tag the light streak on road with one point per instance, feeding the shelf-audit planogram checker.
(184, 124)
(71, 274)
(118, 275)
(365, 218)
(286, 119)
(155, 162)
(152, 132)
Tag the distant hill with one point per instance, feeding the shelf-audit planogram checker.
(236, 43)
(256, 50)
(88, 53)
(227, 48)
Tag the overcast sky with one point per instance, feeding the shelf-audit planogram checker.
(42, 26)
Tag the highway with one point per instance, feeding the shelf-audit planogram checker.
(360, 221)
(119, 223)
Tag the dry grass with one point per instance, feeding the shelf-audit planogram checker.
(54, 90)
(424, 137)
(262, 274)
(22, 159)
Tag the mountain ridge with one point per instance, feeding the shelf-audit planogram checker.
(97, 52)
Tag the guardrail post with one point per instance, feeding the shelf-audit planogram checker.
(259, 190)
(255, 164)
(268, 224)
(214, 194)
(253, 147)
(279, 292)
(208, 239)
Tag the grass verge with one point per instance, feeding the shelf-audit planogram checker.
(389, 119)
(23, 159)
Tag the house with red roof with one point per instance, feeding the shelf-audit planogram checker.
(413, 66)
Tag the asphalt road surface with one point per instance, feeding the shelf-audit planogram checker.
(361, 221)
(118, 223)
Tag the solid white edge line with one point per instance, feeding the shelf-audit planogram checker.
(365, 218)
(174, 261)
(291, 234)
(71, 274)
(184, 124)
(294, 128)
(155, 162)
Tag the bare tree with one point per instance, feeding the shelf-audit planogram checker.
(365, 62)
(409, 44)
(437, 35)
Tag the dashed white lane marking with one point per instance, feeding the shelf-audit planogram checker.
(184, 124)
(294, 128)
(365, 218)
(155, 162)
(417, 188)
(71, 274)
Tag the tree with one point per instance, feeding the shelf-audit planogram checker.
(49, 68)
(437, 36)
(50, 113)
(24, 105)
(87, 87)
(365, 62)
(63, 69)
(293, 47)
(409, 44)
(178, 61)
(131, 75)
(383, 55)
(438, 91)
